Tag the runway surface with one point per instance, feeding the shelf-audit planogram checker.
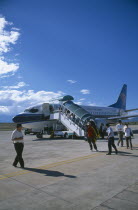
(65, 174)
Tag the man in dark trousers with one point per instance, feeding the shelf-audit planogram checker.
(91, 135)
(119, 128)
(102, 131)
(17, 138)
(110, 140)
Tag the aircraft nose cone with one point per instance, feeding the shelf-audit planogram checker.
(20, 118)
(16, 119)
(24, 118)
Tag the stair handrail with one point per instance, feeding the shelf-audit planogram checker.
(70, 119)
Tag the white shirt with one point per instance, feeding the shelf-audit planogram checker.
(119, 127)
(17, 134)
(110, 132)
(127, 132)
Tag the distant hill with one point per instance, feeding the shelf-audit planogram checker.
(7, 126)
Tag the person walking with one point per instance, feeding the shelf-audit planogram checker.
(110, 140)
(128, 133)
(17, 138)
(91, 135)
(119, 128)
(102, 130)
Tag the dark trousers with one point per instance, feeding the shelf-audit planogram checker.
(120, 134)
(111, 144)
(91, 142)
(19, 150)
(128, 139)
(102, 134)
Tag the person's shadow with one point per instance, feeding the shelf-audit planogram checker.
(49, 173)
(128, 154)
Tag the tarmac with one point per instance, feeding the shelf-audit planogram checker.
(63, 174)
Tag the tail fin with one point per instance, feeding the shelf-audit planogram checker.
(121, 102)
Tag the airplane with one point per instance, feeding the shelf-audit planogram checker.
(39, 116)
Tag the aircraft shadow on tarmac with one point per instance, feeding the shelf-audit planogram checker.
(49, 173)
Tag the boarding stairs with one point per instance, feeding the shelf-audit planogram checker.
(68, 123)
(76, 123)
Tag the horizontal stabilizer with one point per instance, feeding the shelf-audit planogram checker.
(131, 110)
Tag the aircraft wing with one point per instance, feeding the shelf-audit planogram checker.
(122, 117)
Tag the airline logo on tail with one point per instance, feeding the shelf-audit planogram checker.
(121, 102)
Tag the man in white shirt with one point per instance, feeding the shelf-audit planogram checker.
(110, 140)
(128, 133)
(119, 128)
(17, 138)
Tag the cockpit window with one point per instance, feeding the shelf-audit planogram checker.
(33, 110)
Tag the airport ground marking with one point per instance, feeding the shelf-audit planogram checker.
(52, 165)
(59, 163)
(5, 176)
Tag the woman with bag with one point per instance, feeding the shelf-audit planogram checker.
(91, 136)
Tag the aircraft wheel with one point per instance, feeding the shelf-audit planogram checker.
(39, 136)
(66, 135)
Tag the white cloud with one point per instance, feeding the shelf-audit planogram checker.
(92, 104)
(4, 110)
(16, 101)
(82, 99)
(6, 68)
(19, 77)
(15, 29)
(78, 102)
(7, 38)
(71, 81)
(19, 85)
(85, 91)
(28, 96)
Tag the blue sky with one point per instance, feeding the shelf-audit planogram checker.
(45, 43)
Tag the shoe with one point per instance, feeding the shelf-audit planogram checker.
(97, 150)
(116, 152)
(22, 166)
(14, 165)
(108, 154)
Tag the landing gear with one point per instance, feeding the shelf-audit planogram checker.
(39, 135)
(66, 135)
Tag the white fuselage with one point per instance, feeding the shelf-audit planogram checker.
(39, 116)
(103, 112)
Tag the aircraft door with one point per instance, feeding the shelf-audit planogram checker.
(45, 109)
